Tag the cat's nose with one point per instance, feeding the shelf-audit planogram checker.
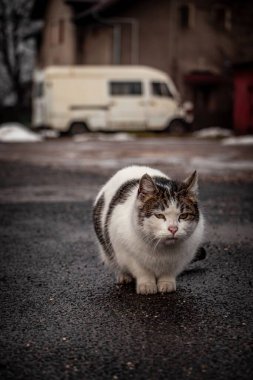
(173, 229)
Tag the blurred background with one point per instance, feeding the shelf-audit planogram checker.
(206, 47)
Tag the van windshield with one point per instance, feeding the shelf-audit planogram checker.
(161, 89)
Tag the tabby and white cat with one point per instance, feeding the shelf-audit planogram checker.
(149, 227)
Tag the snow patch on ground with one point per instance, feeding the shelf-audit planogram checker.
(212, 132)
(15, 132)
(215, 163)
(49, 133)
(243, 140)
(104, 137)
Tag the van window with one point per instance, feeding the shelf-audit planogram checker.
(38, 89)
(161, 89)
(119, 88)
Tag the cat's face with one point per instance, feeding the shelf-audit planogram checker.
(167, 211)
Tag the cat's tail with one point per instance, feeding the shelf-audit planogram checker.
(200, 255)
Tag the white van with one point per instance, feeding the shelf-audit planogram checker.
(106, 98)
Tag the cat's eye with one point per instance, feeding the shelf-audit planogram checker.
(160, 216)
(184, 216)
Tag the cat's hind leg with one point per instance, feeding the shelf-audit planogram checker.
(123, 278)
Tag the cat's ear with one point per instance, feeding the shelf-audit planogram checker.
(147, 187)
(191, 183)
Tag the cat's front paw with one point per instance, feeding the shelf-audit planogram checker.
(146, 288)
(166, 286)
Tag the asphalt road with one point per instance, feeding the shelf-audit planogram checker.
(63, 317)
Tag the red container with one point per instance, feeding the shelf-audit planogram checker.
(243, 99)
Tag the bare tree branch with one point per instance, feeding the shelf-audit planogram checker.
(14, 21)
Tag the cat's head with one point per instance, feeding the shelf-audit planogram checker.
(167, 210)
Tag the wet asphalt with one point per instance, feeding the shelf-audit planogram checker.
(63, 317)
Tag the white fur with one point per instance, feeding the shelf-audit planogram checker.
(153, 267)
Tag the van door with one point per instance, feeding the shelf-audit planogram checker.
(161, 106)
(127, 106)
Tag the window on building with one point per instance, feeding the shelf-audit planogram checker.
(61, 31)
(120, 88)
(57, 32)
(186, 16)
(160, 89)
(222, 17)
(54, 33)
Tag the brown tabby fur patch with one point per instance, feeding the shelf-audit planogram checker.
(167, 191)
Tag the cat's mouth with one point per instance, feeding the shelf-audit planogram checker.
(170, 240)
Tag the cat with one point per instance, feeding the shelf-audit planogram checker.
(149, 227)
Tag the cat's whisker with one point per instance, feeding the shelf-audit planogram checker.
(155, 246)
(149, 239)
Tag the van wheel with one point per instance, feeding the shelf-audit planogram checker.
(78, 128)
(177, 127)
